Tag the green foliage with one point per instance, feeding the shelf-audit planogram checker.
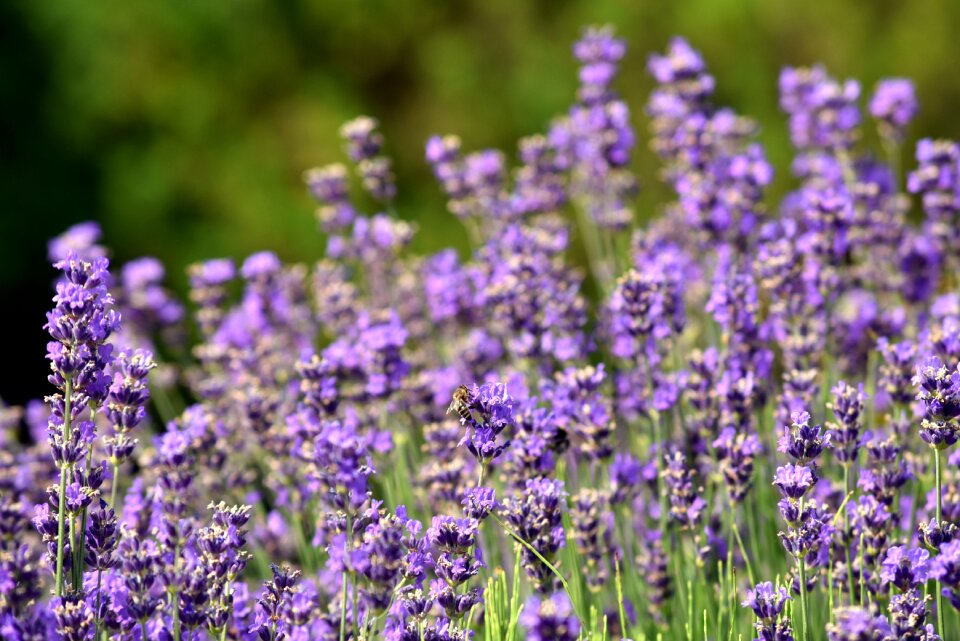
(194, 120)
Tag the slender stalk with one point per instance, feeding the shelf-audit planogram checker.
(802, 567)
(591, 244)
(846, 530)
(864, 595)
(353, 605)
(743, 553)
(936, 468)
(803, 599)
(113, 487)
(113, 506)
(175, 593)
(619, 586)
(81, 540)
(550, 566)
(74, 550)
(96, 612)
(62, 510)
(343, 586)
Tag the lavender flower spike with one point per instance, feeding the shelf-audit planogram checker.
(487, 411)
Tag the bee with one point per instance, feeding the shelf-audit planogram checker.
(461, 402)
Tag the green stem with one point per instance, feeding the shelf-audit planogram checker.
(619, 586)
(343, 586)
(803, 599)
(936, 467)
(801, 565)
(591, 244)
(62, 510)
(175, 593)
(743, 551)
(566, 587)
(864, 595)
(353, 605)
(80, 543)
(74, 550)
(113, 486)
(846, 531)
(96, 613)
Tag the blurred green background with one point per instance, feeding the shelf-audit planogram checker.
(183, 127)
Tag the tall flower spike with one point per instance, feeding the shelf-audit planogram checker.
(735, 452)
(939, 391)
(550, 619)
(767, 604)
(79, 355)
(905, 568)
(802, 441)
(859, 624)
(686, 504)
(936, 178)
(487, 412)
(536, 515)
(126, 406)
(894, 105)
(847, 406)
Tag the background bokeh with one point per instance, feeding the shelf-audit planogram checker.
(183, 127)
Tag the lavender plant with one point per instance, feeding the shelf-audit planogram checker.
(384, 445)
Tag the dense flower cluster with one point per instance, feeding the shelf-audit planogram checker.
(499, 444)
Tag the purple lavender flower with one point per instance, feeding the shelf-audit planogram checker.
(363, 146)
(802, 441)
(550, 619)
(858, 624)
(684, 88)
(845, 433)
(534, 300)
(272, 617)
(362, 138)
(936, 179)
(935, 534)
(75, 618)
(328, 186)
(686, 504)
(82, 239)
(886, 471)
(908, 614)
(905, 568)
(343, 465)
(489, 412)
(581, 411)
(735, 453)
(539, 184)
(80, 324)
(626, 474)
(479, 502)
(379, 559)
(894, 105)
(536, 516)
(765, 601)
(453, 541)
(794, 481)
(939, 391)
(147, 305)
(590, 518)
(823, 113)
(897, 369)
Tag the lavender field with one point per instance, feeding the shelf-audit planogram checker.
(738, 423)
